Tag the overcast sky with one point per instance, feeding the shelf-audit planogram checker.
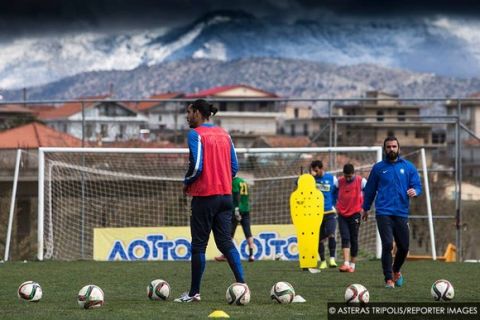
(33, 17)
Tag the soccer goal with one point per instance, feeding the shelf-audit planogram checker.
(81, 189)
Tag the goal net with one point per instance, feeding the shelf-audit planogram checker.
(82, 189)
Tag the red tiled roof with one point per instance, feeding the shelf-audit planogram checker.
(14, 108)
(69, 109)
(35, 135)
(472, 142)
(142, 106)
(39, 109)
(216, 90)
(64, 111)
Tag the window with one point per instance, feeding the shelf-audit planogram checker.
(438, 137)
(64, 127)
(103, 110)
(104, 130)
(305, 129)
(159, 118)
(241, 106)
(380, 115)
(122, 131)
(406, 133)
(295, 113)
(223, 106)
(89, 130)
(292, 130)
(390, 133)
(401, 115)
(350, 112)
(113, 110)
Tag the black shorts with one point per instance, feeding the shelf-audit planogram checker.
(329, 225)
(349, 229)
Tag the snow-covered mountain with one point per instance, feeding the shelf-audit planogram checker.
(285, 77)
(436, 45)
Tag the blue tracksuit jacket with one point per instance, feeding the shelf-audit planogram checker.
(389, 182)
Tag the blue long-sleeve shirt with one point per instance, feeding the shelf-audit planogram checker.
(388, 183)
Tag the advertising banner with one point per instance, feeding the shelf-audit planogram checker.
(173, 243)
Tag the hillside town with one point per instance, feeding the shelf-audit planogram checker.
(254, 117)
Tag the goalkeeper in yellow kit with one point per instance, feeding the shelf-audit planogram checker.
(241, 214)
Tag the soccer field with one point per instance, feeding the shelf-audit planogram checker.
(124, 284)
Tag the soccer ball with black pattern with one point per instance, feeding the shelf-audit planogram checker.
(30, 291)
(357, 293)
(90, 296)
(282, 292)
(238, 294)
(158, 290)
(442, 290)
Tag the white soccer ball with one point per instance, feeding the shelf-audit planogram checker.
(158, 290)
(356, 293)
(238, 293)
(442, 290)
(30, 291)
(282, 292)
(90, 297)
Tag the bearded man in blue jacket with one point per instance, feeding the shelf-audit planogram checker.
(392, 182)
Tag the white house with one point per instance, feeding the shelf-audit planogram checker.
(105, 120)
(164, 114)
(243, 109)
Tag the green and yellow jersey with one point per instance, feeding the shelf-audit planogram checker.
(240, 194)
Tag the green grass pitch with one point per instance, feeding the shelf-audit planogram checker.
(124, 284)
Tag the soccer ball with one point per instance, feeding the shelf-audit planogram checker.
(238, 293)
(30, 291)
(90, 297)
(282, 292)
(158, 290)
(442, 290)
(356, 293)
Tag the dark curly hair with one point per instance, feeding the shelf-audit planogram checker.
(205, 108)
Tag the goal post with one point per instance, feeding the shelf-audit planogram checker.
(12, 205)
(81, 189)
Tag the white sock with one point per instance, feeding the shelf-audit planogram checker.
(346, 263)
(352, 265)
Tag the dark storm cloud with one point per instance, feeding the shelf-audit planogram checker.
(395, 7)
(30, 17)
(60, 15)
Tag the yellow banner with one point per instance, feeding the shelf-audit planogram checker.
(173, 243)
